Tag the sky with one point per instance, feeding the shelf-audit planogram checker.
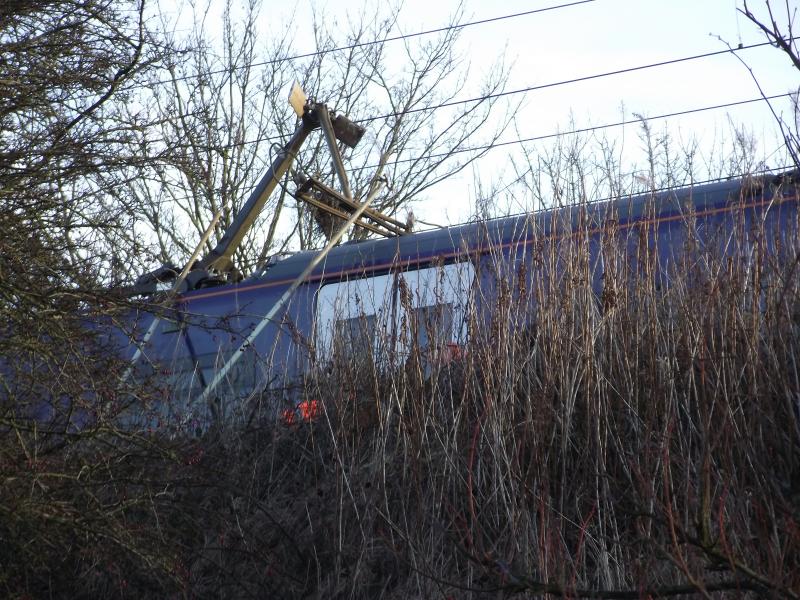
(586, 39)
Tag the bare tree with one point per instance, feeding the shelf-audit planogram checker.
(223, 110)
(66, 66)
(777, 24)
(64, 139)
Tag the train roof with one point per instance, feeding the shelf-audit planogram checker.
(450, 243)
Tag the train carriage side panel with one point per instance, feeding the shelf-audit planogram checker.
(450, 277)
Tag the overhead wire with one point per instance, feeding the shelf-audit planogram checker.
(509, 92)
(520, 90)
(567, 81)
(523, 90)
(385, 40)
(580, 130)
(559, 83)
(356, 45)
(519, 140)
(590, 129)
(534, 88)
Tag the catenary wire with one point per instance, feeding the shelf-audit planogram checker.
(617, 124)
(568, 81)
(357, 45)
(519, 140)
(488, 147)
(510, 142)
(394, 38)
(590, 129)
(553, 84)
(530, 88)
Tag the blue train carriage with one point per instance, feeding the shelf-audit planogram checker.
(431, 291)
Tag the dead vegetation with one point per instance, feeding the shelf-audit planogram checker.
(633, 441)
(598, 438)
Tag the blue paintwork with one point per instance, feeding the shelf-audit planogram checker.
(209, 324)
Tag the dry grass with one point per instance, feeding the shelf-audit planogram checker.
(630, 441)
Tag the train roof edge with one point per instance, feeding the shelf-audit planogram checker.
(448, 243)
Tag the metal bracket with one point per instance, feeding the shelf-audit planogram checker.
(340, 207)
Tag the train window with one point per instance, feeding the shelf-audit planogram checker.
(431, 325)
(353, 312)
(357, 335)
(389, 314)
